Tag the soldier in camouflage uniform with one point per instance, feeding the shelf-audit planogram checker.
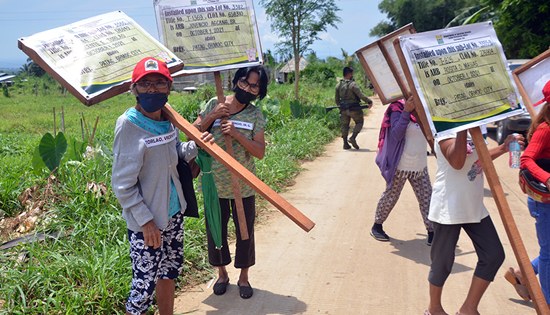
(347, 98)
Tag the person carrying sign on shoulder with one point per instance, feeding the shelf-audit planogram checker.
(146, 183)
(456, 204)
(401, 157)
(347, 98)
(536, 159)
(245, 123)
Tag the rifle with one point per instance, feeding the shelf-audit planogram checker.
(328, 109)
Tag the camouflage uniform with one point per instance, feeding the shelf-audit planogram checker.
(347, 97)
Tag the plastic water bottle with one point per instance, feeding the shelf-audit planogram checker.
(515, 153)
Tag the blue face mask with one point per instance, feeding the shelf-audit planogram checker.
(152, 102)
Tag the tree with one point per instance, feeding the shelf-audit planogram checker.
(425, 15)
(522, 26)
(32, 69)
(298, 23)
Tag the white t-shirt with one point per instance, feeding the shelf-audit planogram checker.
(457, 195)
(414, 157)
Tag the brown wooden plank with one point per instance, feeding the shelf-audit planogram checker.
(420, 114)
(509, 223)
(243, 229)
(235, 167)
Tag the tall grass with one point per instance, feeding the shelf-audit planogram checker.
(86, 268)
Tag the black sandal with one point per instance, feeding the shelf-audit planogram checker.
(220, 287)
(246, 292)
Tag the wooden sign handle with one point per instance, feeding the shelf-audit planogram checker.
(243, 229)
(509, 223)
(419, 112)
(236, 168)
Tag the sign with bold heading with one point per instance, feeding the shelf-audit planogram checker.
(210, 35)
(94, 58)
(461, 77)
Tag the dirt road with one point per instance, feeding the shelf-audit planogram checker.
(338, 268)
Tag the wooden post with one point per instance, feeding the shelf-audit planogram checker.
(498, 195)
(63, 119)
(236, 168)
(420, 114)
(243, 229)
(54, 124)
(509, 223)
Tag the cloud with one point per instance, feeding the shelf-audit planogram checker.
(326, 37)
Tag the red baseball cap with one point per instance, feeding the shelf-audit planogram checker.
(545, 93)
(150, 65)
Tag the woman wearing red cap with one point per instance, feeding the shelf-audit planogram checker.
(537, 150)
(245, 123)
(145, 181)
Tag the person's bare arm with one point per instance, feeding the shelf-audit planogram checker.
(255, 146)
(454, 150)
(504, 147)
(202, 123)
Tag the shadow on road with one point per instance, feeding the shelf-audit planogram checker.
(271, 303)
(417, 251)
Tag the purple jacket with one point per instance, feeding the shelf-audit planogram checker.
(389, 155)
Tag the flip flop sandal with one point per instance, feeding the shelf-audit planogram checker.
(220, 287)
(246, 292)
(521, 289)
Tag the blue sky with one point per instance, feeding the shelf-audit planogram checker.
(21, 18)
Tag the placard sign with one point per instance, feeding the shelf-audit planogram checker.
(379, 72)
(531, 78)
(382, 65)
(210, 35)
(461, 77)
(94, 58)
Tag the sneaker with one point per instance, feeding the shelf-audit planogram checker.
(430, 238)
(378, 233)
(354, 143)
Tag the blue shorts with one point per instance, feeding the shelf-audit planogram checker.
(150, 265)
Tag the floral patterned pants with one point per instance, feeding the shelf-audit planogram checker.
(150, 265)
(420, 182)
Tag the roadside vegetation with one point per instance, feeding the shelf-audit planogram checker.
(73, 257)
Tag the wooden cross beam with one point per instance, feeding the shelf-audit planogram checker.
(236, 168)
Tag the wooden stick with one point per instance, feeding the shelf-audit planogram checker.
(420, 114)
(63, 119)
(509, 223)
(243, 229)
(236, 168)
(54, 124)
(91, 142)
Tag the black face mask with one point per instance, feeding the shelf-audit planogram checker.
(243, 96)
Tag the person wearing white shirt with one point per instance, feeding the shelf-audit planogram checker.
(456, 204)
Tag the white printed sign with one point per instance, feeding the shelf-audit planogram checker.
(94, 58)
(461, 77)
(210, 35)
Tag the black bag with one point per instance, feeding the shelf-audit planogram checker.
(186, 179)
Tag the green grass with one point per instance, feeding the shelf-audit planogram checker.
(87, 270)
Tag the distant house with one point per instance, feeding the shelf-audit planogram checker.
(282, 73)
(5, 79)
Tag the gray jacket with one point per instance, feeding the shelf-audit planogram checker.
(141, 175)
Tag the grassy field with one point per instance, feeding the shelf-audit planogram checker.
(85, 269)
